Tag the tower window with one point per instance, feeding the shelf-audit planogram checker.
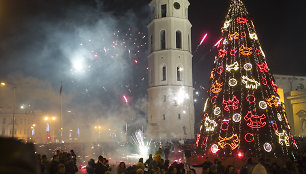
(3, 131)
(178, 39)
(164, 117)
(179, 116)
(164, 73)
(184, 129)
(163, 39)
(179, 73)
(3, 120)
(189, 49)
(151, 43)
(163, 10)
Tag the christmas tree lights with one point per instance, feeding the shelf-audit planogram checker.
(245, 114)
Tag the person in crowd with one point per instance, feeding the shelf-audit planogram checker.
(45, 164)
(230, 170)
(167, 152)
(90, 168)
(166, 165)
(61, 169)
(54, 164)
(140, 164)
(248, 167)
(205, 169)
(100, 166)
(259, 168)
(121, 169)
(148, 161)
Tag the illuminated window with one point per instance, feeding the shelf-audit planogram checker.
(163, 10)
(179, 73)
(179, 39)
(163, 39)
(164, 73)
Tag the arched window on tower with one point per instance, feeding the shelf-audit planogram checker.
(164, 73)
(179, 73)
(163, 10)
(179, 39)
(163, 39)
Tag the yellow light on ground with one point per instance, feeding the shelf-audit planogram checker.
(3, 83)
(96, 127)
(46, 118)
(53, 118)
(33, 125)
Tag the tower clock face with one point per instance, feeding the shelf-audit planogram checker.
(177, 5)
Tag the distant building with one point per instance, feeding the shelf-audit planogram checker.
(22, 124)
(292, 92)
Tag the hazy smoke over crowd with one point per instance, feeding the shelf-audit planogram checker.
(98, 54)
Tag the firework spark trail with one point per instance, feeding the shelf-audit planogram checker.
(218, 43)
(202, 41)
(143, 148)
(125, 99)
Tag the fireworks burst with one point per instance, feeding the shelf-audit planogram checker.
(143, 148)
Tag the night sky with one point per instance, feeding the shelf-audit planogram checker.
(42, 40)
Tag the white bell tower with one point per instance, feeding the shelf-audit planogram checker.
(170, 101)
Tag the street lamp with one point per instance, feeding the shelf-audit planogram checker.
(47, 119)
(14, 92)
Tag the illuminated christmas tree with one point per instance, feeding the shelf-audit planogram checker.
(243, 114)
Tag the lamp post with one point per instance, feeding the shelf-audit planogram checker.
(46, 118)
(14, 105)
(99, 131)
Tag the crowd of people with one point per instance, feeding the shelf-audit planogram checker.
(157, 165)
(62, 163)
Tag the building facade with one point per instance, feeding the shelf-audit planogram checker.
(293, 94)
(170, 92)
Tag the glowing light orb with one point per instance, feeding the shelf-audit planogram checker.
(247, 67)
(217, 111)
(237, 117)
(263, 105)
(267, 147)
(232, 82)
(214, 148)
(279, 116)
(181, 96)
(78, 65)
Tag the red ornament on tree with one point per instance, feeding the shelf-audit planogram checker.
(241, 20)
(231, 103)
(255, 121)
(250, 98)
(249, 137)
(274, 86)
(222, 53)
(263, 67)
